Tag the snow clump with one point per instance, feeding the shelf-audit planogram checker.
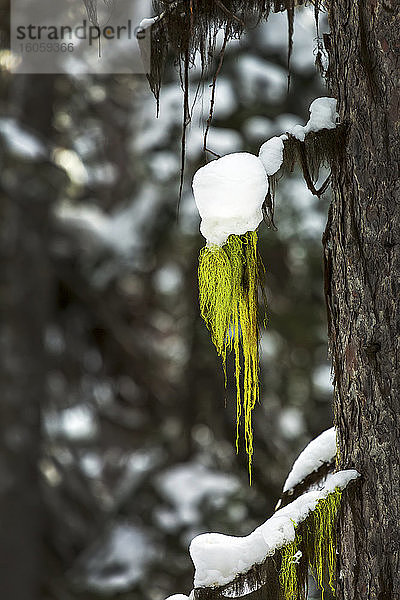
(271, 154)
(323, 115)
(319, 451)
(229, 193)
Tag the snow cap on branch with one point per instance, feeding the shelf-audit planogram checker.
(323, 115)
(218, 558)
(319, 451)
(149, 22)
(271, 154)
(229, 194)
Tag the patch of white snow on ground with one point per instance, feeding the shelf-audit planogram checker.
(218, 558)
(319, 451)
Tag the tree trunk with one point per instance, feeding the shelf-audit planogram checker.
(24, 304)
(22, 385)
(362, 260)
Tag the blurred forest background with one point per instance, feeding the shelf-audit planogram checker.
(109, 381)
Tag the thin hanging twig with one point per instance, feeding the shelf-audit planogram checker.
(290, 19)
(186, 121)
(228, 12)
(213, 87)
(307, 176)
(211, 152)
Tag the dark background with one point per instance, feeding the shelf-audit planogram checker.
(109, 381)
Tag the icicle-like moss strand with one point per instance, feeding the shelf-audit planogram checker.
(290, 584)
(229, 277)
(322, 540)
(315, 538)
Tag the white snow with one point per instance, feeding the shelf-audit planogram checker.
(148, 22)
(260, 79)
(322, 379)
(74, 423)
(154, 132)
(272, 36)
(181, 596)
(218, 558)
(271, 154)
(188, 486)
(20, 141)
(291, 422)
(91, 464)
(229, 193)
(168, 279)
(164, 165)
(71, 162)
(285, 121)
(320, 450)
(123, 231)
(220, 140)
(225, 101)
(323, 115)
(298, 131)
(120, 560)
(258, 128)
(301, 213)
(304, 41)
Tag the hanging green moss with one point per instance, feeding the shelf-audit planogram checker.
(315, 538)
(229, 279)
(322, 541)
(291, 579)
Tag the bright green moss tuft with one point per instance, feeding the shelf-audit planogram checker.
(291, 585)
(229, 278)
(316, 539)
(322, 540)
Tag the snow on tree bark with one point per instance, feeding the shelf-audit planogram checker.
(362, 265)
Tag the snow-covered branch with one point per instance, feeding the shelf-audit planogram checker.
(229, 567)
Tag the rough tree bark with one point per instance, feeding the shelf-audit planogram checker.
(362, 259)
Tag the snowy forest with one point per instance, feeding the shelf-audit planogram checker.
(119, 442)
